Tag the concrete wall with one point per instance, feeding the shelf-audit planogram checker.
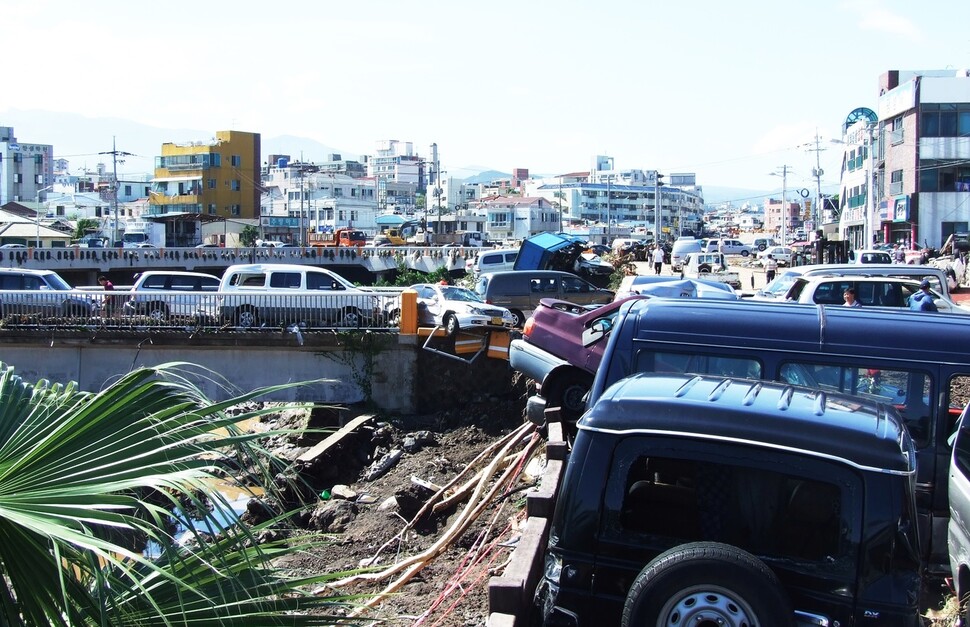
(344, 368)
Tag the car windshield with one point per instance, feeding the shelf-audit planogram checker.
(780, 286)
(460, 294)
(57, 283)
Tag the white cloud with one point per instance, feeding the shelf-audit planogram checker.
(873, 16)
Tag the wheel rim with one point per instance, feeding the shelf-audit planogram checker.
(704, 606)
(246, 318)
(351, 319)
(451, 325)
(572, 398)
(157, 315)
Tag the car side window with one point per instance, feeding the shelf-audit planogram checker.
(830, 293)
(33, 283)
(759, 509)
(957, 399)
(721, 365)
(154, 282)
(317, 281)
(910, 392)
(574, 285)
(285, 280)
(961, 447)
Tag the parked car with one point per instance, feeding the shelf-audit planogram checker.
(161, 294)
(958, 529)
(600, 249)
(703, 500)
(869, 291)
(591, 264)
(520, 291)
(781, 254)
(728, 247)
(631, 285)
(493, 260)
(681, 248)
(43, 293)
(275, 295)
(453, 308)
(761, 243)
(778, 288)
(870, 256)
(913, 361)
(710, 267)
(561, 347)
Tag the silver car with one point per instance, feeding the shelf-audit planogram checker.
(453, 308)
(160, 295)
(44, 293)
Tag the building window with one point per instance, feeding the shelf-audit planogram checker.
(236, 185)
(945, 120)
(212, 183)
(127, 190)
(236, 161)
(896, 182)
(212, 209)
(235, 210)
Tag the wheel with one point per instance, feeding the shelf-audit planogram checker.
(394, 318)
(762, 246)
(157, 312)
(568, 393)
(518, 318)
(706, 583)
(74, 310)
(451, 324)
(745, 253)
(246, 317)
(703, 268)
(351, 318)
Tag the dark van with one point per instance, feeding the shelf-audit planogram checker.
(913, 361)
(520, 291)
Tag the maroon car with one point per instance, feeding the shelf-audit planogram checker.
(561, 347)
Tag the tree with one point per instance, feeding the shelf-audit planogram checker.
(248, 236)
(85, 226)
(83, 475)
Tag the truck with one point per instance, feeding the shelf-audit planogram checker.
(339, 237)
(710, 266)
(142, 232)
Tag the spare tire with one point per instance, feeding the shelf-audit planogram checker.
(703, 268)
(707, 583)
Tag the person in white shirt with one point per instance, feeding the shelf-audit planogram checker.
(771, 267)
(658, 259)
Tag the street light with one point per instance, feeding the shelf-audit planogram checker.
(37, 216)
(784, 203)
(658, 208)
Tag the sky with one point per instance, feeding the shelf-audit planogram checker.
(733, 92)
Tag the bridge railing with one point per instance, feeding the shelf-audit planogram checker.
(374, 308)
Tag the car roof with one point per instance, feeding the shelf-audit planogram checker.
(862, 433)
(174, 273)
(859, 278)
(887, 333)
(274, 267)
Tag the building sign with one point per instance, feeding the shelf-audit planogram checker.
(280, 221)
(901, 209)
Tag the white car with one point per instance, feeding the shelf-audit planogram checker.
(161, 294)
(453, 308)
(870, 256)
(781, 254)
(870, 292)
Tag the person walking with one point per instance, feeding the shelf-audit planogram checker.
(658, 259)
(771, 268)
(923, 299)
(109, 301)
(849, 297)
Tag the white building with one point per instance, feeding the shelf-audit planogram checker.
(26, 170)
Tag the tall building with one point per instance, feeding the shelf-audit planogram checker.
(219, 178)
(913, 153)
(26, 170)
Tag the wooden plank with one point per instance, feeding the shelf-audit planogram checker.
(335, 437)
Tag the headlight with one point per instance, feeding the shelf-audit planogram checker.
(477, 311)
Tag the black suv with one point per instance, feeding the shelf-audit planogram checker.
(692, 500)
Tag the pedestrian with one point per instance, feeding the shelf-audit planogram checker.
(658, 259)
(899, 255)
(849, 297)
(109, 301)
(771, 267)
(923, 299)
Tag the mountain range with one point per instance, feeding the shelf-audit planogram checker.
(86, 142)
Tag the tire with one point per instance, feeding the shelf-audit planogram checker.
(745, 253)
(568, 392)
(518, 317)
(703, 268)
(451, 324)
(75, 310)
(246, 318)
(157, 312)
(762, 246)
(707, 583)
(394, 318)
(351, 318)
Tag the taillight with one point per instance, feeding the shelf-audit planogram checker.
(527, 329)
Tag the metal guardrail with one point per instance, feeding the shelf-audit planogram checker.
(250, 310)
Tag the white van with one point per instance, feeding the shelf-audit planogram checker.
(682, 247)
(494, 260)
(275, 295)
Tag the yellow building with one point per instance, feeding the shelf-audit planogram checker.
(217, 179)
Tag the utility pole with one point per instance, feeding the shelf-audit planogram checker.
(658, 208)
(784, 203)
(115, 153)
(817, 172)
